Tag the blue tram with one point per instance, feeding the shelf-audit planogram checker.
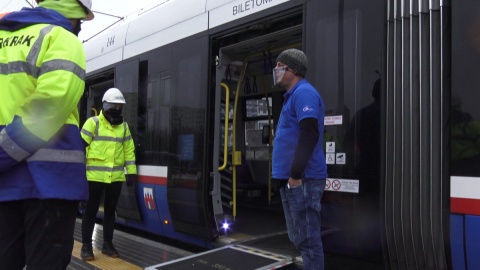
(401, 133)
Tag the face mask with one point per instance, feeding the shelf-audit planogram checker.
(114, 116)
(77, 28)
(278, 74)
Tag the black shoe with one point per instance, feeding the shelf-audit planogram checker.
(109, 250)
(87, 252)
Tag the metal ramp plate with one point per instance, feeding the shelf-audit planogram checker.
(231, 257)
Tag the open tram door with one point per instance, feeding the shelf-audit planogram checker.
(247, 108)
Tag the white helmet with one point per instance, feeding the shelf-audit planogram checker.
(87, 5)
(113, 95)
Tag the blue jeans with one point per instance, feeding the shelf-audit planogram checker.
(301, 206)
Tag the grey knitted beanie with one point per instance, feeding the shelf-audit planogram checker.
(294, 59)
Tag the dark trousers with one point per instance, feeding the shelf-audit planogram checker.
(112, 193)
(37, 233)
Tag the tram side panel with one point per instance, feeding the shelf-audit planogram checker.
(154, 206)
(170, 124)
(175, 122)
(345, 41)
(465, 131)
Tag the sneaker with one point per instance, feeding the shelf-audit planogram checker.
(87, 252)
(109, 250)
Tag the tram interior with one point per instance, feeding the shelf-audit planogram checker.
(257, 212)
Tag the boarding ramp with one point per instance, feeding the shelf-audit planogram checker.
(228, 258)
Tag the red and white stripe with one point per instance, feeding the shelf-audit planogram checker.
(465, 195)
(156, 175)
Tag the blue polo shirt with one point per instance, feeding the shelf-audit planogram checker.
(302, 101)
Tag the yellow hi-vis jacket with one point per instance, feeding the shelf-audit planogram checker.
(110, 151)
(42, 72)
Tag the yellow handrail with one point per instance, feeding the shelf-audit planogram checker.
(95, 113)
(225, 143)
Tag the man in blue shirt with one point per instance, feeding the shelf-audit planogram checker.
(298, 156)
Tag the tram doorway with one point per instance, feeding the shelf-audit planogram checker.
(253, 109)
(248, 108)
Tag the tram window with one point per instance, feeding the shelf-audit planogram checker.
(230, 136)
(258, 107)
(257, 118)
(156, 117)
(230, 110)
(185, 147)
(464, 110)
(255, 148)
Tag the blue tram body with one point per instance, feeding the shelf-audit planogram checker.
(154, 211)
(398, 80)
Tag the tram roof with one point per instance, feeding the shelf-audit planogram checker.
(163, 23)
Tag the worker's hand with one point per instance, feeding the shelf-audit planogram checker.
(292, 182)
(131, 179)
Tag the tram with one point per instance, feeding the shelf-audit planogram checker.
(398, 79)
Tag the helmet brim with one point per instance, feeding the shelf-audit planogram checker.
(116, 102)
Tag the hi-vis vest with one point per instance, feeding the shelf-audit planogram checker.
(110, 150)
(42, 72)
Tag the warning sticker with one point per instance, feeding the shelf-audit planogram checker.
(333, 120)
(330, 147)
(341, 158)
(330, 158)
(343, 185)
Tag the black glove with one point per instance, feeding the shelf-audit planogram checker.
(131, 179)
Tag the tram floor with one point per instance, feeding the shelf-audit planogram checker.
(138, 251)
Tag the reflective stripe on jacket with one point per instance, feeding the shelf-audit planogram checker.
(42, 72)
(110, 150)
